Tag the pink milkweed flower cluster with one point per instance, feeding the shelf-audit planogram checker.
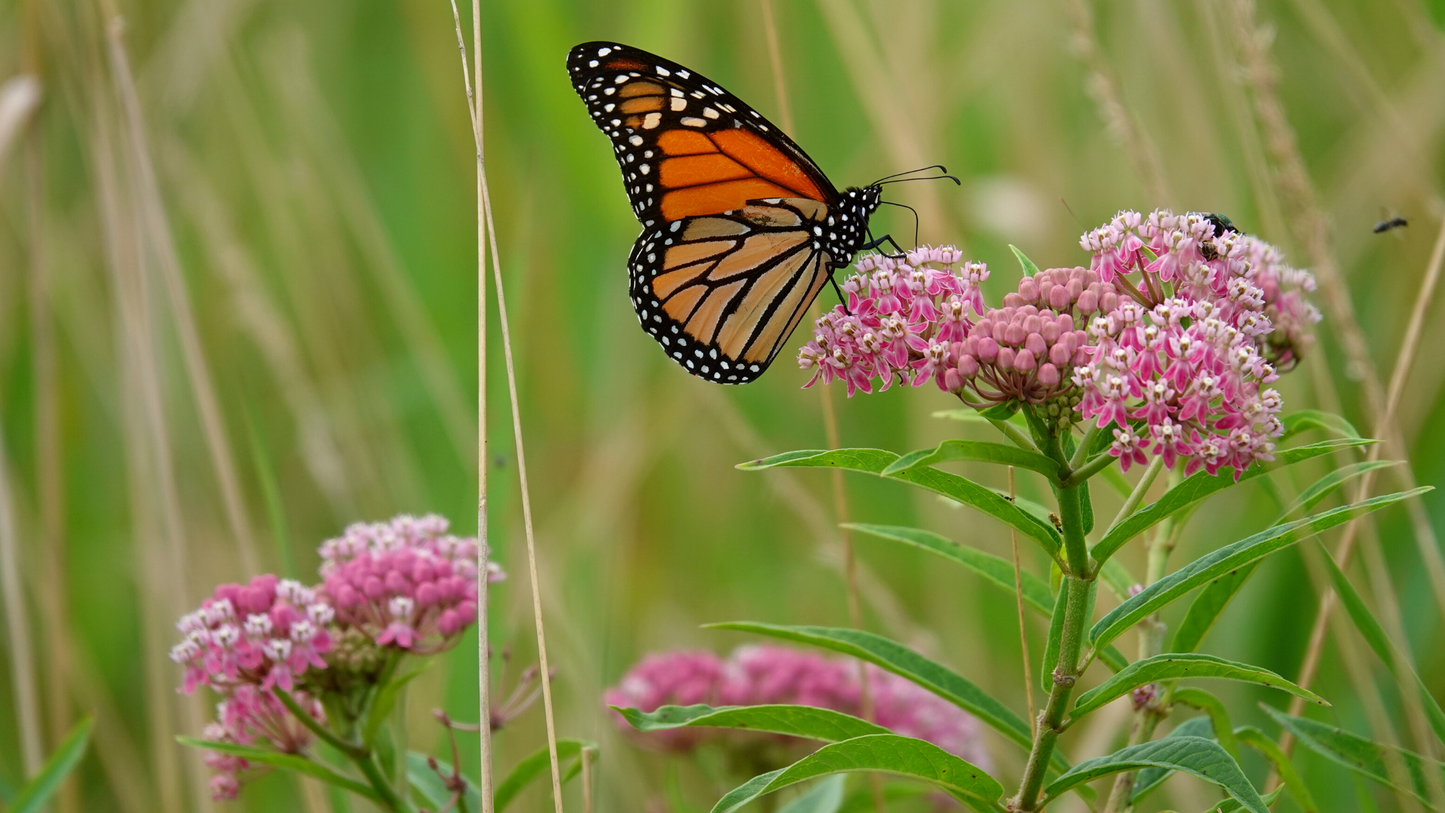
(901, 318)
(246, 715)
(264, 633)
(765, 675)
(1169, 339)
(405, 583)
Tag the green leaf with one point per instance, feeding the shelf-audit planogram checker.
(1000, 412)
(1192, 755)
(1359, 754)
(874, 461)
(975, 450)
(984, 499)
(1150, 779)
(861, 800)
(825, 797)
(425, 781)
(1259, 741)
(1331, 482)
(291, 762)
(1202, 484)
(1207, 606)
(1182, 665)
(1054, 642)
(36, 794)
(386, 700)
(1374, 635)
(1029, 268)
(994, 569)
(795, 721)
(1230, 557)
(1305, 419)
(879, 753)
(904, 662)
(1231, 805)
(536, 764)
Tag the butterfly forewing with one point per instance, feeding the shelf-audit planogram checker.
(686, 146)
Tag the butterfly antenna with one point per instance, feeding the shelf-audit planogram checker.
(901, 176)
(915, 217)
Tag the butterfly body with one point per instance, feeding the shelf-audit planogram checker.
(740, 229)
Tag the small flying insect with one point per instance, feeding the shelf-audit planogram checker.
(1393, 223)
(1222, 225)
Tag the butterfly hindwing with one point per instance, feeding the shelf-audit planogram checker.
(686, 147)
(721, 293)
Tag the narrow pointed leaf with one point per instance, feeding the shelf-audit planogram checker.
(291, 762)
(1192, 755)
(386, 700)
(960, 489)
(902, 661)
(1183, 665)
(1207, 606)
(38, 791)
(825, 797)
(534, 765)
(861, 800)
(879, 753)
(1231, 805)
(1150, 779)
(795, 721)
(1030, 268)
(1332, 482)
(1230, 557)
(975, 450)
(1305, 419)
(1202, 484)
(871, 461)
(1374, 634)
(1259, 741)
(1053, 643)
(995, 569)
(984, 499)
(1359, 754)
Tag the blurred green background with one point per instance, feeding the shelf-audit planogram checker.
(238, 311)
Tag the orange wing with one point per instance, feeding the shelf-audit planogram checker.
(687, 147)
(722, 293)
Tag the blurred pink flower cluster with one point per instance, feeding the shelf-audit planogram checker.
(403, 585)
(246, 715)
(765, 675)
(1169, 339)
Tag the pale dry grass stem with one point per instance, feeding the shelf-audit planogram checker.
(484, 655)
(485, 203)
(159, 524)
(161, 248)
(1013, 539)
(17, 623)
(19, 99)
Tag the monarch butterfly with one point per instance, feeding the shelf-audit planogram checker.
(740, 228)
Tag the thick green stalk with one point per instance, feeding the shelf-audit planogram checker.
(1078, 582)
(1066, 674)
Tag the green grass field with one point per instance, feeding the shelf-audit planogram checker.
(238, 312)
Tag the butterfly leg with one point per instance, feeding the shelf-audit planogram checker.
(843, 300)
(885, 239)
